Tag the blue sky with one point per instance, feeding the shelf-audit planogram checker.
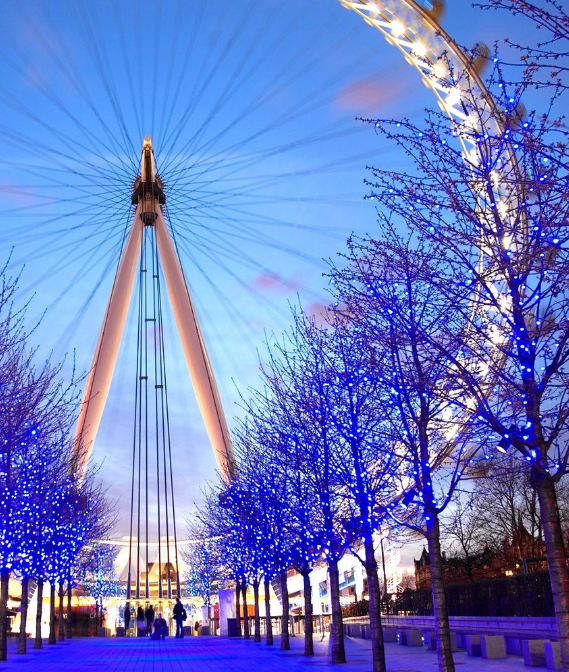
(251, 107)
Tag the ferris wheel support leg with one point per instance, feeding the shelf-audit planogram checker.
(195, 353)
(105, 357)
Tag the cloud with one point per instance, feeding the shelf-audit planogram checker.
(319, 311)
(273, 283)
(370, 94)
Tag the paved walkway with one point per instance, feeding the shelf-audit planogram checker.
(213, 654)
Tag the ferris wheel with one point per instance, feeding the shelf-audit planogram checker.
(450, 74)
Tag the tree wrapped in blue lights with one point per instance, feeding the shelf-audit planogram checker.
(203, 558)
(267, 509)
(36, 409)
(498, 220)
(47, 510)
(101, 579)
(385, 285)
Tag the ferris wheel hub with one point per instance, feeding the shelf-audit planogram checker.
(148, 187)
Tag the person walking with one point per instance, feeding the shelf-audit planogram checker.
(140, 621)
(179, 617)
(149, 616)
(126, 617)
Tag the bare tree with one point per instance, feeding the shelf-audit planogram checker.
(545, 58)
(386, 289)
(465, 536)
(498, 219)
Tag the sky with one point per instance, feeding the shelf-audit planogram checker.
(255, 111)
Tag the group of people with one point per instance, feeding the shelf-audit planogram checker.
(147, 621)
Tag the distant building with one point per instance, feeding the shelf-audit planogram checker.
(522, 553)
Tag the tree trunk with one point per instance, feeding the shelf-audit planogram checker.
(60, 620)
(337, 626)
(245, 611)
(257, 637)
(51, 639)
(377, 645)
(22, 639)
(308, 627)
(238, 606)
(38, 643)
(68, 625)
(442, 626)
(285, 640)
(268, 624)
(385, 593)
(556, 560)
(4, 582)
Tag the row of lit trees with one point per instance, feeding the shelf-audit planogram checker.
(50, 509)
(448, 341)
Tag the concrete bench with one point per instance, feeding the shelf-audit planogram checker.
(472, 643)
(390, 633)
(430, 640)
(533, 651)
(461, 636)
(492, 646)
(409, 637)
(552, 655)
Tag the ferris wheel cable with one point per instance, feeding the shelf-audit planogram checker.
(157, 394)
(269, 93)
(240, 74)
(112, 181)
(237, 319)
(244, 259)
(104, 68)
(236, 256)
(138, 429)
(129, 572)
(82, 272)
(52, 97)
(157, 25)
(208, 77)
(55, 268)
(259, 298)
(168, 443)
(177, 87)
(118, 20)
(255, 183)
(57, 159)
(251, 230)
(220, 161)
(242, 256)
(170, 94)
(190, 179)
(40, 252)
(93, 222)
(254, 220)
(235, 80)
(25, 212)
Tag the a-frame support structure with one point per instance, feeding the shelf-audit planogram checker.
(148, 196)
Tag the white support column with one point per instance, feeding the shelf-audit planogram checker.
(194, 349)
(105, 357)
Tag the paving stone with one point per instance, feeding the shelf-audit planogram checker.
(215, 654)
